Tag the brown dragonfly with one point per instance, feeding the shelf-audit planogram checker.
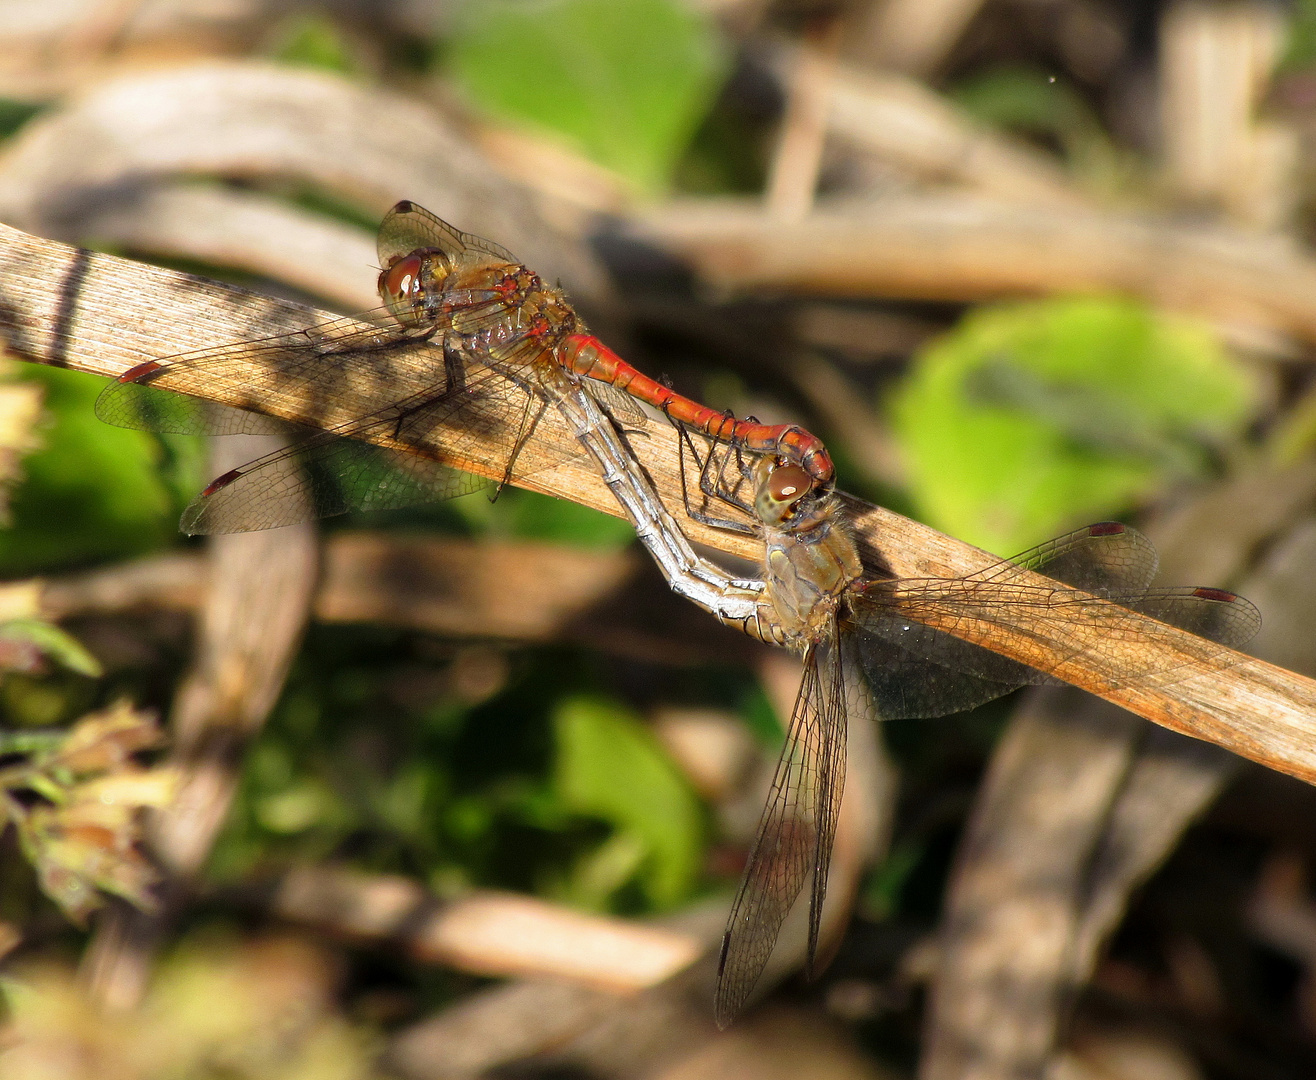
(474, 349)
(885, 649)
(476, 346)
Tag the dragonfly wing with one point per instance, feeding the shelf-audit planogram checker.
(1215, 614)
(935, 674)
(915, 669)
(340, 470)
(409, 226)
(149, 408)
(320, 477)
(1106, 558)
(336, 361)
(618, 404)
(794, 836)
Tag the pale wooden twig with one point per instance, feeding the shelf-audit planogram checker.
(253, 120)
(518, 591)
(904, 123)
(244, 230)
(496, 1026)
(913, 36)
(487, 933)
(1216, 62)
(797, 159)
(102, 314)
(250, 627)
(957, 248)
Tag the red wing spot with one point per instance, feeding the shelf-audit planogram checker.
(221, 482)
(1106, 528)
(1216, 594)
(140, 371)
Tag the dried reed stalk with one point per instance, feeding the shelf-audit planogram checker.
(74, 308)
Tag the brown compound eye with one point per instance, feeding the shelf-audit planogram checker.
(788, 483)
(399, 284)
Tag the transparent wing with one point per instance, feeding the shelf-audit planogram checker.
(408, 227)
(339, 470)
(915, 669)
(616, 403)
(320, 477)
(795, 834)
(363, 368)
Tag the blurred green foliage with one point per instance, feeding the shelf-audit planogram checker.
(1031, 102)
(218, 1007)
(610, 766)
(47, 640)
(1034, 416)
(1300, 49)
(92, 492)
(309, 40)
(464, 767)
(625, 82)
(14, 114)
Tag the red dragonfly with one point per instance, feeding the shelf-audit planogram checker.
(479, 348)
(884, 649)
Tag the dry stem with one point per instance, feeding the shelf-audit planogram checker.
(66, 306)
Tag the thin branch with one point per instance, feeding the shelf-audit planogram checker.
(247, 119)
(78, 309)
(960, 248)
(486, 932)
(612, 601)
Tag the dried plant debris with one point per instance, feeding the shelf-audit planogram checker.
(255, 1011)
(76, 800)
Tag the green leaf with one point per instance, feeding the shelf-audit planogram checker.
(315, 41)
(14, 114)
(626, 82)
(53, 642)
(92, 491)
(1300, 48)
(1023, 98)
(1031, 417)
(610, 766)
(1033, 102)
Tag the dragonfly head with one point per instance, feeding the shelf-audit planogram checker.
(406, 282)
(781, 487)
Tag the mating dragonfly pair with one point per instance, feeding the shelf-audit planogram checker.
(476, 348)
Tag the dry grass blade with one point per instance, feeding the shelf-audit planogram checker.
(250, 629)
(903, 122)
(257, 120)
(485, 932)
(60, 305)
(243, 230)
(960, 248)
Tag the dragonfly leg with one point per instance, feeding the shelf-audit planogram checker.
(701, 513)
(534, 405)
(731, 600)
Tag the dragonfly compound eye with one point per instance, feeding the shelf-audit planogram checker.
(788, 483)
(399, 285)
(784, 487)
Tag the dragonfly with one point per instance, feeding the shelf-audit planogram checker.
(887, 649)
(474, 347)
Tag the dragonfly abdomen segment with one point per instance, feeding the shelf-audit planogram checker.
(587, 355)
